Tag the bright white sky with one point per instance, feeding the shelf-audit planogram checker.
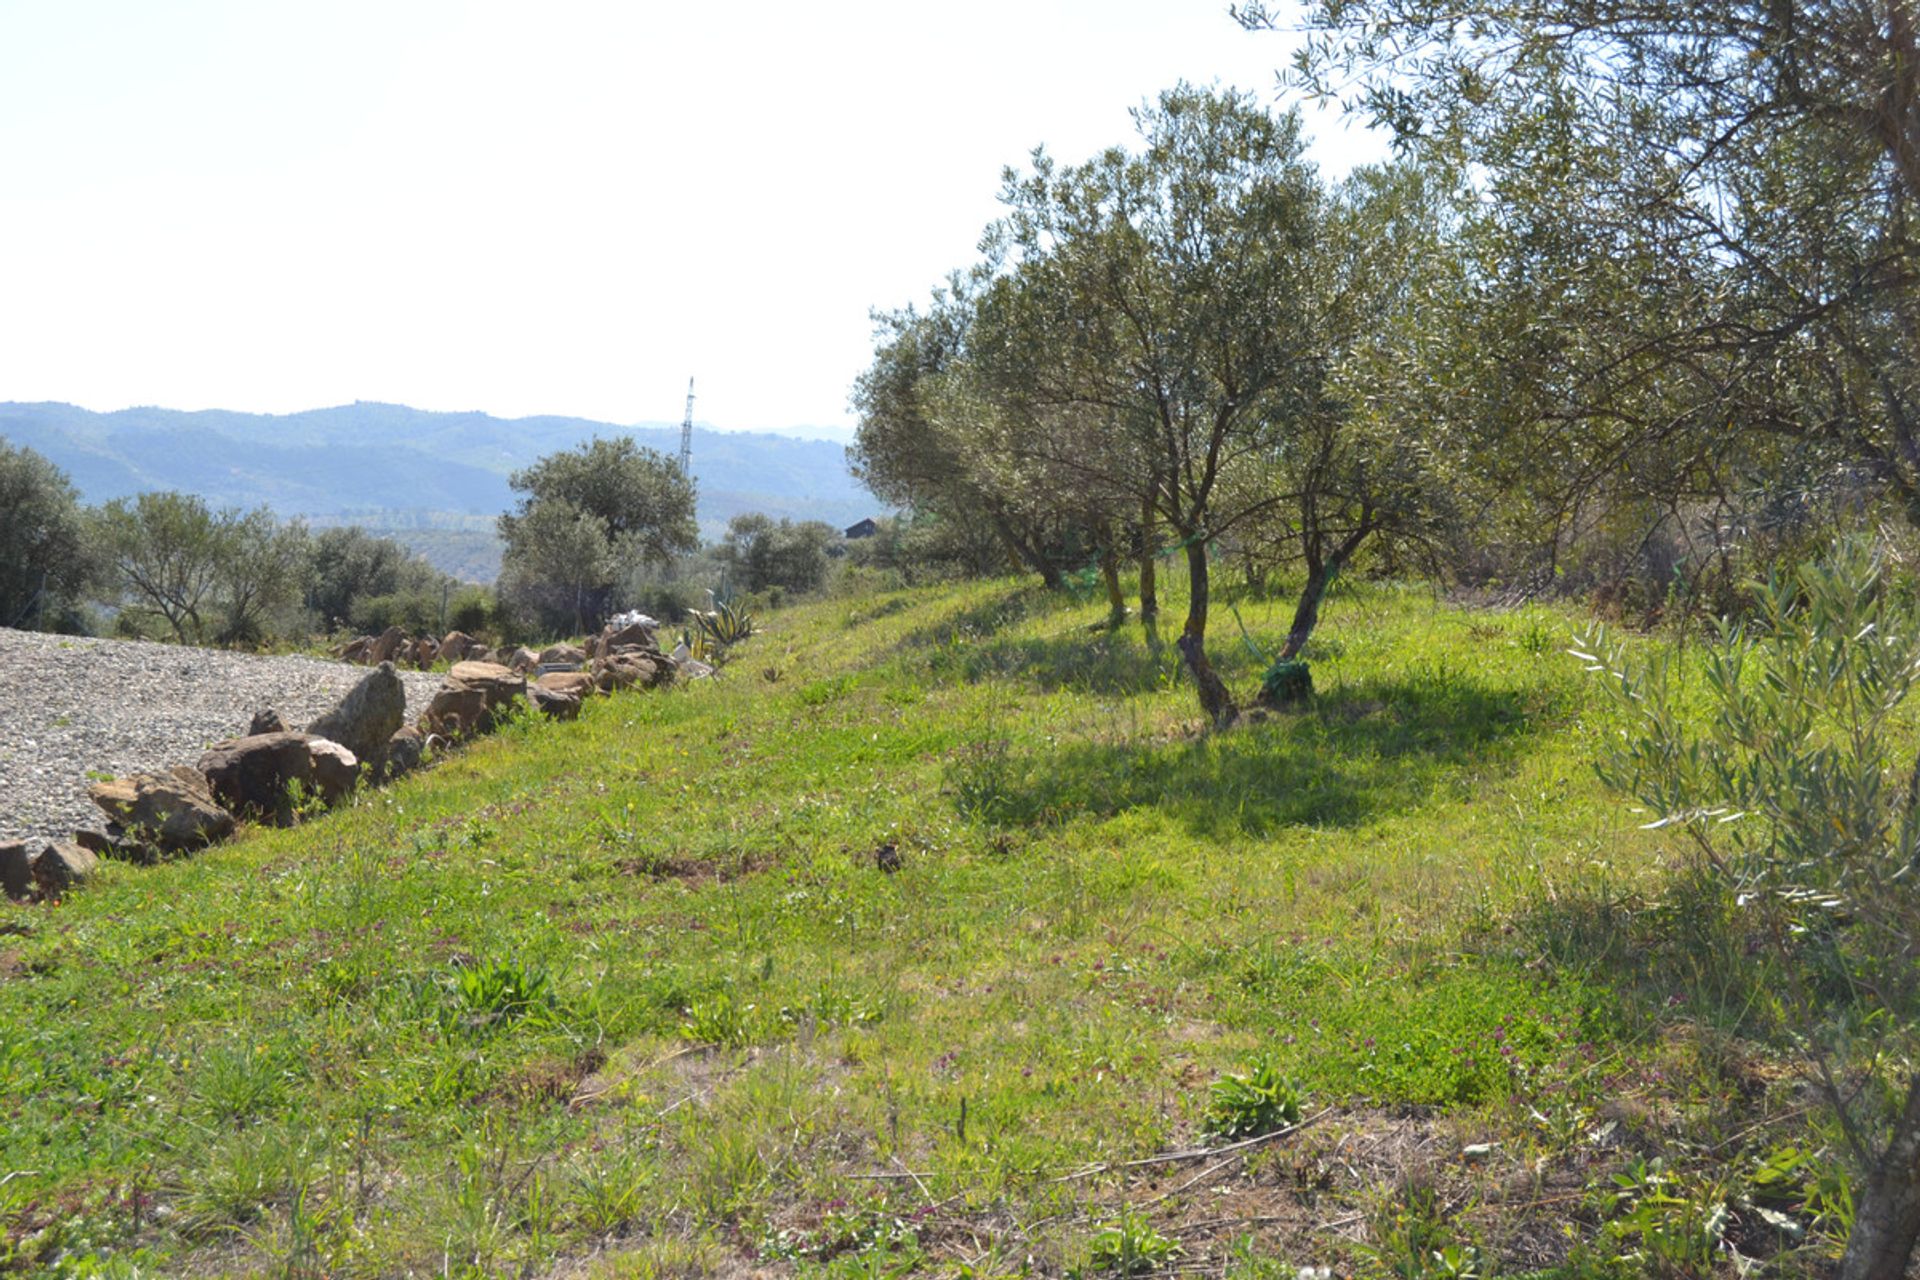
(523, 209)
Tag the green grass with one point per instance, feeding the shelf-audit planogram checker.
(631, 996)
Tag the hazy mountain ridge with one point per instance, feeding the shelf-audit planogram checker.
(370, 462)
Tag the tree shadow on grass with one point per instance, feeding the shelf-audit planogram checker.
(1107, 662)
(1363, 750)
(978, 620)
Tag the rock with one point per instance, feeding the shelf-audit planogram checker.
(265, 720)
(16, 869)
(457, 710)
(424, 652)
(99, 842)
(632, 668)
(578, 683)
(383, 649)
(555, 704)
(356, 650)
(562, 653)
(454, 647)
(694, 669)
(637, 634)
(404, 751)
(523, 660)
(171, 811)
(256, 774)
(480, 653)
(61, 866)
(367, 717)
(500, 685)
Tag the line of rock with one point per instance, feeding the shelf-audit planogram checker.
(279, 775)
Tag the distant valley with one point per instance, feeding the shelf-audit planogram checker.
(433, 480)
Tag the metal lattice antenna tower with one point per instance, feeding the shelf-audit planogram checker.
(686, 435)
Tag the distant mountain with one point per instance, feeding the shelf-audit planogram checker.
(399, 469)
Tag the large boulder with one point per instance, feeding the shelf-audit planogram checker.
(169, 812)
(260, 774)
(555, 704)
(424, 652)
(355, 651)
(404, 751)
(16, 868)
(638, 634)
(61, 866)
(457, 710)
(523, 660)
(500, 685)
(560, 654)
(632, 669)
(574, 682)
(384, 648)
(370, 714)
(454, 647)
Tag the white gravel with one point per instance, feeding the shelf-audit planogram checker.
(70, 707)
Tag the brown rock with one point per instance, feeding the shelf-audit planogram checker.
(454, 647)
(61, 866)
(522, 660)
(256, 774)
(265, 720)
(632, 669)
(404, 750)
(457, 710)
(562, 653)
(16, 869)
(356, 650)
(638, 635)
(424, 652)
(500, 685)
(370, 713)
(574, 682)
(170, 811)
(555, 704)
(383, 649)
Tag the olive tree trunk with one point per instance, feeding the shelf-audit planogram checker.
(1215, 701)
(1886, 1221)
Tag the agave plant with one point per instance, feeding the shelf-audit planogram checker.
(726, 626)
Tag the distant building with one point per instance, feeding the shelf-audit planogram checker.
(865, 529)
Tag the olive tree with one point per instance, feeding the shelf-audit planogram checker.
(46, 559)
(1799, 810)
(1699, 211)
(585, 515)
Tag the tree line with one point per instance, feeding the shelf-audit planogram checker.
(1627, 312)
(597, 529)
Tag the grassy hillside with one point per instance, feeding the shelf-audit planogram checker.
(890, 952)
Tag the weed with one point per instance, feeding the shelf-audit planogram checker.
(495, 994)
(1129, 1246)
(1258, 1102)
(1413, 1238)
(717, 1018)
(1665, 1222)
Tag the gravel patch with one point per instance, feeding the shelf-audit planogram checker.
(71, 706)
